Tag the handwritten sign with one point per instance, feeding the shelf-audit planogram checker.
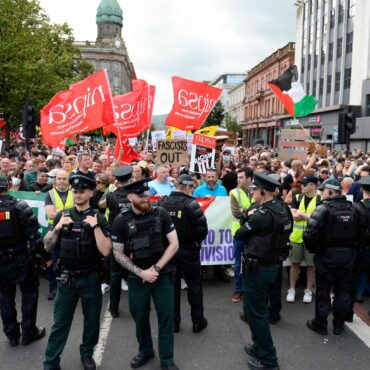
(172, 152)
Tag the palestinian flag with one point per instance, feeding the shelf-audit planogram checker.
(291, 94)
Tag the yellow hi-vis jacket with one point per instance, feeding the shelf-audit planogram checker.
(58, 203)
(244, 203)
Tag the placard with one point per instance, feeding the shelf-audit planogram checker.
(172, 152)
(202, 158)
(294, 144)
(157, 135)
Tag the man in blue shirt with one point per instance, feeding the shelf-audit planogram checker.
(211, 187)
(161, 185)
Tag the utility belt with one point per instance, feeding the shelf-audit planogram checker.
(250, 264)
(10, 255)
(68, 277)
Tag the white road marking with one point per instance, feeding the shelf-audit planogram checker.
(361, 329)
(103, 336)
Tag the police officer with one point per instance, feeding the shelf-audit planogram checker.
(144, 242)
(266, 233)
(333, 233)
(82, 236)
(17, 225)
(116, 202)
(191, 226)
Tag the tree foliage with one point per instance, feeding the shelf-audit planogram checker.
(216, 116)
(233, 126)
(37, 57)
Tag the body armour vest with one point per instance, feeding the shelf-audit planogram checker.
(270, 247)
(340, 229)
(365, 205)
(11, 234)
(175, 205)
(121, 204)
(145, 244)
(78, 250)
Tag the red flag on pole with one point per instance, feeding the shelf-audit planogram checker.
(129, 154)
(133, 110)
(87, 105)
(193, 102)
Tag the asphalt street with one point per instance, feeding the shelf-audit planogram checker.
(220, 346)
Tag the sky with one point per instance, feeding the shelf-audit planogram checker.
(194, 39)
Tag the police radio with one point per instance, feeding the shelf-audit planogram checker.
(66, 213)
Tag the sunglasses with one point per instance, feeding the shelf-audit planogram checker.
(325, 172)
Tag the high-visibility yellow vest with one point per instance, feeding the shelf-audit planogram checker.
(300, 226)
(244, 203)
(58, 203)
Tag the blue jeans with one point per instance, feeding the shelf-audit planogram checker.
(238, 250)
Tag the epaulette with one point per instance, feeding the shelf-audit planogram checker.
(262, 211)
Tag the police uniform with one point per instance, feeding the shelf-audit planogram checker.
(79, 277)
(362, 263)
(265, 233)
(17, 225)
(117, 202)
(191, 226)
(333, 233)
(144, 239)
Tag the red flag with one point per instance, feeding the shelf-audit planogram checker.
(2, 123)
(193, 102)
(133, 110)
(87, 105)
(129, 154)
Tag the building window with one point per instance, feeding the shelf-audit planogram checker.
(367, 108)
(349, 42)
(339, 47)
(322, 57)
(328, 84)
(347, 78)
(321, 86)
(351, 8)
(302, 67)
(337, 81)
(308, 88)
(331, 51)
(309, 63)
(341, 12)
(315, 60)
(314, 88)
(332, 18)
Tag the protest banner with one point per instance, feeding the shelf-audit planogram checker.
(133, 110)
(129, 154)
(293, 144)
(193, 102)
(86, 106)
(202, 153)
(217, 247)
(172, 152)
(157, 135)
(37, 203)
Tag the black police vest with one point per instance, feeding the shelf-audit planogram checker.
(121, 204)
(78, 250)
(176, 208)
(366, 210)
(269, 247)
(145, 244)
(340, 227)
(11, 234)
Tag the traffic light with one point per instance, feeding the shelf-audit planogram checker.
(350, 122)
(28, 121)
(342, 132)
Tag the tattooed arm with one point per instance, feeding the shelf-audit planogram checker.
(52, 235)
(149, 275)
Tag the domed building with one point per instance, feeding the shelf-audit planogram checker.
(109, 50)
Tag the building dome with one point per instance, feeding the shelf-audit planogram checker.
(109, 11)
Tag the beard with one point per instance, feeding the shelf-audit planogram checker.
(142, 206)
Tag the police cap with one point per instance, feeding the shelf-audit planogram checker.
(185, 180)
(309, 178)
(80, 182)
(265, 182)
(3, 183)
(331, 184)
(365, 183)
(138, 187)
(122, 173)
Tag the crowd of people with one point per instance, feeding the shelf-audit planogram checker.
(303, 185)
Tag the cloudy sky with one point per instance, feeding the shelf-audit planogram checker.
(195, 39)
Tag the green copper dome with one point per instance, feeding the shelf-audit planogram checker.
(109, 11)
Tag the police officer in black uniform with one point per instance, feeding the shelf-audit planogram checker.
(117, 202)
(191, 226)
(17, 225)
(266, 233)
(144, 242)
(81, 235)
(333, 232)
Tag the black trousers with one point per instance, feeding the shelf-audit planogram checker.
(188, 266)
(333, 267)
(116, 275)
(19, 270)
